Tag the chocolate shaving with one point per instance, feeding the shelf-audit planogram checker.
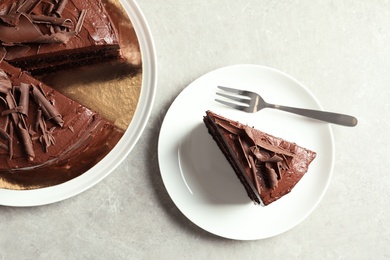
(5, 123)
(10, 142)
(12, 8)
(80, 22)
(5, 83)
(11, 106)
(48, 109)
(47, 137)
(279, 169)
(4, 135)
(21, 26)
(260, 154)
(254, 173)
(3, 53)
(245, 149)
(57, 37)
(17, 109)
(24, 98)
(48, 8)
(248, 132)
(60, 7)
(52, 20)
(10, 20)
(270, 176)
(27, 6)
(266, 145)
(21, 127)
(27, 142)
(23, 31)
(228, 127)
(275, 158)
(37, 120)
(15, 51)
(31, 131)
(3, 146)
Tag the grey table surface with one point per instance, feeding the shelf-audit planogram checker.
(338, 49)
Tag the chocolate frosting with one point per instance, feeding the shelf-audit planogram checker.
(54, 139)
(33, 28)
(271, 164)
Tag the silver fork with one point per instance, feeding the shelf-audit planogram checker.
(251, 102)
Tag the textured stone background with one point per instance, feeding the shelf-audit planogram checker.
(338, 49)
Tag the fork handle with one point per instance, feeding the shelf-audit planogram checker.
(329, 117)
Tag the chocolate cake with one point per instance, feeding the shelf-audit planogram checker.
(268, 167)
(45, 137)
(42, 36)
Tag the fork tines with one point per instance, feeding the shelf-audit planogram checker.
(238, 96)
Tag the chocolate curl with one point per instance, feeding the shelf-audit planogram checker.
(12, 8)
(12, 105)
(10, 143)
(9, 16)
(38, 119)
(3, 53)
(3, 146)
(17, 109)
(266, 145)
(228, 126)
(80, 22)
(48, 109)
(48, 9)
(60, 7)
(25, 31)
(28, 6)
(57, 37)
(270, 176)
(47, 137)
(244, 148)
(27, 142)
(5, 136)
(254, 174)
(15, 51)
(52, 20)
(21, 128)
(19, 25)
(24, 98)
(5, 83)
(4, 124)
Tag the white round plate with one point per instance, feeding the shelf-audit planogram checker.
(124, 146)
(201, 182)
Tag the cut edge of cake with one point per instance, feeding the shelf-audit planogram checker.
(44, 37)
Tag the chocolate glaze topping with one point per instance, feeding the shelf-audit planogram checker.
(34, 32)
(20, 25)
(45, 137)
(271, 165)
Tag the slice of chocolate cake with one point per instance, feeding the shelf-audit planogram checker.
(268, 167)
(45, 137)
(45, 36)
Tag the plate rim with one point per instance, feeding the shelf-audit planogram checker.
(329, 131)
